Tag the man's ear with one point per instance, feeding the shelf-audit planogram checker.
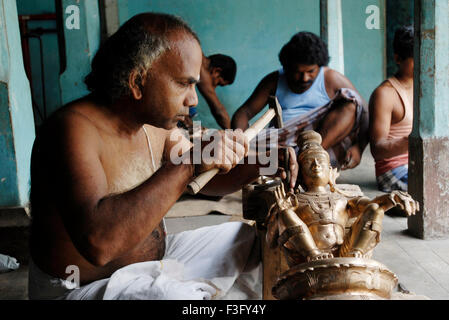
(215, 75)
(397, 59)
(216, 72)
(136, 82)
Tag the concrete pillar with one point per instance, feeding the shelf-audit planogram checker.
(16, 113)
(81, 25)
(429, 141)
(331, 26)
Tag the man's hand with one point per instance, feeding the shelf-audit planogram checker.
(224, 151)
(353, 157)
(292, 167)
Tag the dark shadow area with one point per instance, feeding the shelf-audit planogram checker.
(14, 243)
(396, 212)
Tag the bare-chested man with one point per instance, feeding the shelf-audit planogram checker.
(391, 117)
(102, 179)
(305, 83)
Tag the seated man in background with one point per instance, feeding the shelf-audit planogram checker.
(391, 117)
(216, 70)
(305, 83)
(103, 176)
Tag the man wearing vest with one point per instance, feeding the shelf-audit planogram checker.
(312, 93)
(391, 117)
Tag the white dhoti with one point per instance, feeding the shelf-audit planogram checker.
(216, 262)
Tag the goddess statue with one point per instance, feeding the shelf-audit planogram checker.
(321, 224)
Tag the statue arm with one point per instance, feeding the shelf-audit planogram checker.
(385, 202)
(357, 205)
(296, 232)
(398, 198)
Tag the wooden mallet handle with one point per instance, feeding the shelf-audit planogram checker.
(199, 182)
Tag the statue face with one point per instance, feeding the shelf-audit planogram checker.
(315, 170)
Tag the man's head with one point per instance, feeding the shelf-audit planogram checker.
(222, 69)
(302, 58)
(403, 47)
(154, 60)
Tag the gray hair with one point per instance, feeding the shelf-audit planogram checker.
(134, 47)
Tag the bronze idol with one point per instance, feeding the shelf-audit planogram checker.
(328, 235)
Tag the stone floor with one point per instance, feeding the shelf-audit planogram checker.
(422, 266)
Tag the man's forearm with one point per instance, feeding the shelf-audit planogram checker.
(216, 107)
(233, 181)
(388, 148)
(222, 119)
(240, 120)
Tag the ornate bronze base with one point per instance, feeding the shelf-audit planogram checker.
(336, 279)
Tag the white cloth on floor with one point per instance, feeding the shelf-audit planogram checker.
(215, 262)
(156, 280)
(8, 263)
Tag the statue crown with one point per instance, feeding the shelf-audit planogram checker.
(309, 143)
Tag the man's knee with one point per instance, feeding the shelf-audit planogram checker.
(348, 108)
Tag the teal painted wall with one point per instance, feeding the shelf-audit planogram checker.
(62, 86)
(80, 45)
(50, 56)
(8, 177)
(16, 117)
(431, 111)
(365, 60)
(251, 31)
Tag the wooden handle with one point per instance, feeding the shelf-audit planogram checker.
(199, 182)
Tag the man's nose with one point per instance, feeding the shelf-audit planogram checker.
(305, 77)
(191, 99)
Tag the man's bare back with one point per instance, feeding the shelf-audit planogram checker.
(126, 163)
(387, 109)
(398, 106)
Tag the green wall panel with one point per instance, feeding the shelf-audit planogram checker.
(16, 117)
(251, 31)
(365, 60)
